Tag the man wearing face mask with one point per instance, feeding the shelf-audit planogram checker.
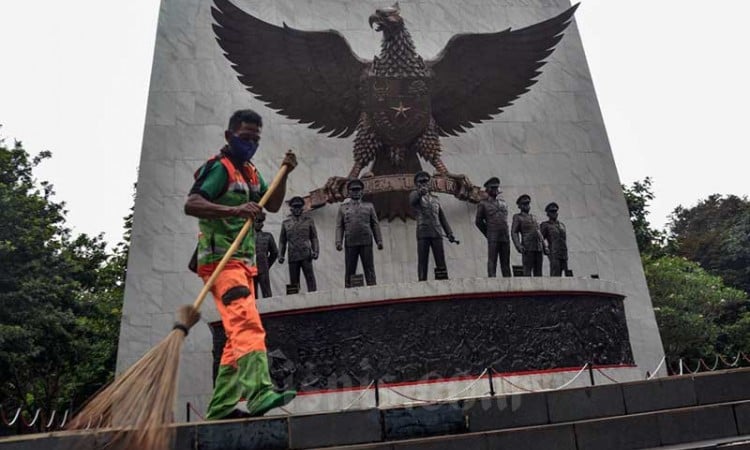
(357, 225)
(298, 231)
(224, 195)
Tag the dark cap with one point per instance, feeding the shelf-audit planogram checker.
(297, 201)
(524, 198)
(421, 174)
(354, 181)
(551, 206)
(492, 182)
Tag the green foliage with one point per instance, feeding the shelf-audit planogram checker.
(638, 195)
(695, 311)
(60, 295)
(689, 274)
(716, 234)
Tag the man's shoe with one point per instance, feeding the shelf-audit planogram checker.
(237, 414)
(270, 400)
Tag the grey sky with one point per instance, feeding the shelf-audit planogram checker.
(669, 77)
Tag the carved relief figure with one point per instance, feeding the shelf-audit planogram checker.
(527, 239)
(553, 231)
(266, 254)
(431, 226)
(356, 227)
(398, 104)
(299, 233)
(492, 221)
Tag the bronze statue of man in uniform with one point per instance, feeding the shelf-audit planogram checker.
(266, 254)
(356, 227)
(527, 239)
(492, 221)
(299, 231)
(430, 221)
(553, 231)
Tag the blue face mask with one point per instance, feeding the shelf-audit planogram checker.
(242, 150)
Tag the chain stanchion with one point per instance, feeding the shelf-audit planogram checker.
(607, 376)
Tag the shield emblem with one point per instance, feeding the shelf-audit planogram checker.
(399, 107)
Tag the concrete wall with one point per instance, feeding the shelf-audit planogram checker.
(551, 144)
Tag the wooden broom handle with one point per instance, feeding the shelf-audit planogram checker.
(236, 244)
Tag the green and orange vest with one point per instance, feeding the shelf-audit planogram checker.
(217, 235)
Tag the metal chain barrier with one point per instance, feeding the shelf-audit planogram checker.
(658, 367)
(606, 376)
(359, 397)
(563, 386)
(444, 399)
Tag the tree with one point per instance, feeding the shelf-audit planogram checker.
(638, 195)
(60, 294)
(716, 234)
(695, 311)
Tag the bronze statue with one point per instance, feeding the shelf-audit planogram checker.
(553, 231)
(431, 226)
(492, 221)
(398, 104)
(266, 254)
(356, 226)
(527, 238)
(299, 231)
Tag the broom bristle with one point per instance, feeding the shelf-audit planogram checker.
(139, 404)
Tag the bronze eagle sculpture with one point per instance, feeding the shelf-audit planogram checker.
(398, 104)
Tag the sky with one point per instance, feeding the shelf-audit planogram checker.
(669, 77)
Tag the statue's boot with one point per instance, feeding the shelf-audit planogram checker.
(255, 380)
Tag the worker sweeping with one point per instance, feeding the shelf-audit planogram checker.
(225, 194)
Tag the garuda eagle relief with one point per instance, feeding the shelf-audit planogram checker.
(398, 105)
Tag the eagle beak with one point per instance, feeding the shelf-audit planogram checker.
(374, 19)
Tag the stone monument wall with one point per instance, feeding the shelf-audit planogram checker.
(551, 144)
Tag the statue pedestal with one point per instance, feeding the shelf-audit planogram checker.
(439, 340)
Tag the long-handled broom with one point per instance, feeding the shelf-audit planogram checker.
(138, 406)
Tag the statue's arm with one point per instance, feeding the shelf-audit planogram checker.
(339, 228)
(314, 239)
(375, 225)
(444, 223)
(481, 219)
(282, 244)
(515, 229)
(414, 198)
(273, 251)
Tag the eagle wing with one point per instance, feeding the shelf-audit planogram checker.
(476, 75)
(310, 76)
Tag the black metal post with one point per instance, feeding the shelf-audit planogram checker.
(377, 394)
(187, 411)
(591, 373)
(492, 385)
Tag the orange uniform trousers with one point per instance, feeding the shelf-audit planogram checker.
(240, 317)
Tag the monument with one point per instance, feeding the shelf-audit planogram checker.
(430, 339)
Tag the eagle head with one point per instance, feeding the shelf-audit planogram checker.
(388, 20)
